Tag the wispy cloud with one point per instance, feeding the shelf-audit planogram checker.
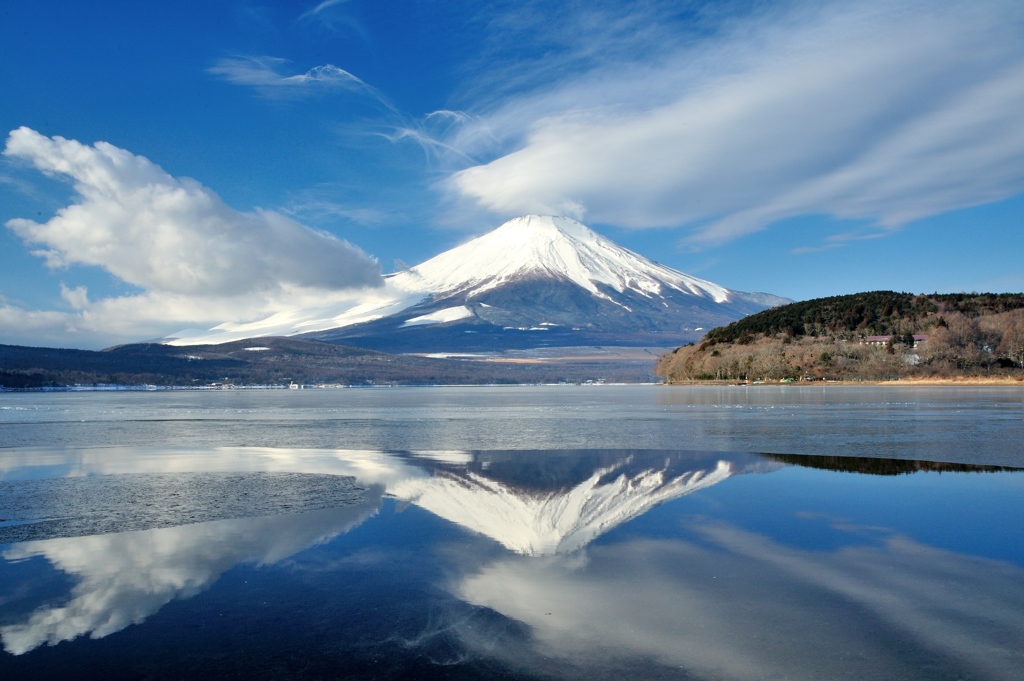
(269, 77)
(803, 250)
(840, 240)
(534, 43)
(434, 146)
(332, 16)
(873, 111)
(319, 9)
(19, 186)
(318, 205)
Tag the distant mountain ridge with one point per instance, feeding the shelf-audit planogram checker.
(534, 281)
(275, 360)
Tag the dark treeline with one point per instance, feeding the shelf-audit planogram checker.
(877, 466)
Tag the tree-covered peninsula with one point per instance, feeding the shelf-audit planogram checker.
(879, 335)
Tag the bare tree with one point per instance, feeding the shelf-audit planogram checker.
(1012, 343)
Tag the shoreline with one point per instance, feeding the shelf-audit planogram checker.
(959, 381)
(1011, 381)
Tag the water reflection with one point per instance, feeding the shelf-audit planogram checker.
(517, 565)
(535, 503)
(737, 605)
(547, 503)
(125, 577)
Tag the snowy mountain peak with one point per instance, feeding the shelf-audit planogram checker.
(541, 246)
(541, 229)
(534, 281)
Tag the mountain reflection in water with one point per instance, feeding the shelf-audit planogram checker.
(547, 503)
(735, 581)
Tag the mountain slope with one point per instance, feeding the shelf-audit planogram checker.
(535, 281)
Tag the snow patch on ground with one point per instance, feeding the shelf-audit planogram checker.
(449, 314)
(453, 457)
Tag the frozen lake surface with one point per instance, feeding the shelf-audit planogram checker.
(520, 532)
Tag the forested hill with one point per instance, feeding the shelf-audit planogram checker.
(876, 313)
(957, 334)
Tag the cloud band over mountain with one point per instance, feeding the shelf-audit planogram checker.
(872, 111)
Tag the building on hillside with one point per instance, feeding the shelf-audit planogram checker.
(885, 340)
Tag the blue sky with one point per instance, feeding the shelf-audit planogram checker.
(170, 165)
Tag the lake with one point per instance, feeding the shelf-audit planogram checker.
(761, 532)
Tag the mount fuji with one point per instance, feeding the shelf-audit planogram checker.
(535, 281)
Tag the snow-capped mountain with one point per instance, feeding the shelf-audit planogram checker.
(533, 281)
(554, 248)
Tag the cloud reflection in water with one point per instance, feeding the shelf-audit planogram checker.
(126, 577)
(735, 604)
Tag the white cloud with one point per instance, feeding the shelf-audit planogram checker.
(155, 314)
(172, 234)
(196, 259)
(871, 111)
(77, 297)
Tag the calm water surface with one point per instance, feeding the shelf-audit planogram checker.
(562, 532)
(981, 425)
